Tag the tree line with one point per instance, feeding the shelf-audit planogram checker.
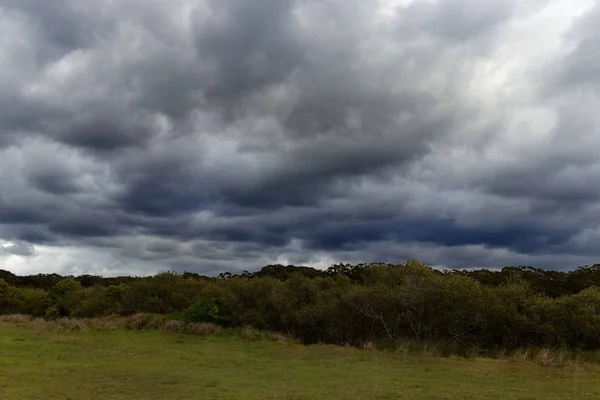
(346, 304)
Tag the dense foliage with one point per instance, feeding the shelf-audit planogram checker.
(346, 304)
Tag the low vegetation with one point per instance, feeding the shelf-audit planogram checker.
(147, 357)
(468, 313)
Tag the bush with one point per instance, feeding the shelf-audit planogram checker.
(52, 313)
(201, 311)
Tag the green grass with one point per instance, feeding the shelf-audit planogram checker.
(42, 362)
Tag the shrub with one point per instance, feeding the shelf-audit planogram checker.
(52, 313)
(201, 311)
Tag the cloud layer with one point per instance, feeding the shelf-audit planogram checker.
(207, 135)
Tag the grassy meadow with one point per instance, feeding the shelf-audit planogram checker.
(49, 361)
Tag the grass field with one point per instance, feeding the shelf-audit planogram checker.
(37, 362)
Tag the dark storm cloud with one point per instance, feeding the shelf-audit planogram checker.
(88, 224)
(253, 45)
(526, 239)
(564, 185)
(100, 133)
(210, 135)
(53, 183)
(50, 176)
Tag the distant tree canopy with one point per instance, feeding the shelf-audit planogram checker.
(345, 304)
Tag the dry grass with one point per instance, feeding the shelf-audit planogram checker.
(73, 324)
(107, 322)
(549, 358)
(155, 321)
(369, 346)
(16, 318)
(520, 355)
(202, 328)
(403, 348)
(546, 357)
(173, 326)
(133, 322)
(137, 321)
(247, 332)
(281, 338)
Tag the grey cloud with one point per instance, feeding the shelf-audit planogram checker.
(457, 20)
(579, 67)
(19, 248)
(559, 175)
(252, 44)
(61, 22)
(212, 135)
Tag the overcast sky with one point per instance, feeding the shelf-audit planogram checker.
(211, 135)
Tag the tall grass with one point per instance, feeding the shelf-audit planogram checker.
(143, 321)
(546, 357)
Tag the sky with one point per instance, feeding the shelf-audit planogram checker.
(138, 136)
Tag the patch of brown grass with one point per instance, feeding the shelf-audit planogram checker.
(16, 318)
(281, 338)
(71, 324)
(41, 323)
(369, 346)
(554, 358)
(250, 333)
(545, 357)
(520, 355)
(173, 326)
(403, 348)
(155, 322)
(107, 322)
(430, 350)
(137, 321)
(202, 328)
